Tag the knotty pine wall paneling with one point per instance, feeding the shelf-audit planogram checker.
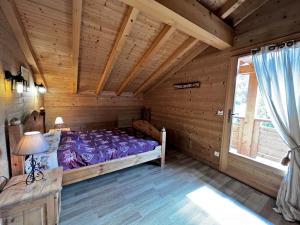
(85, 112)
(11, 103)
(190, 114)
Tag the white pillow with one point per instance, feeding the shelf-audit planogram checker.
(46, 160)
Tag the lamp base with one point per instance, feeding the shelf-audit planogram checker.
(35, 174)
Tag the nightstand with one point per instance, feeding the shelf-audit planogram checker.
(34, 204)
(62, 129)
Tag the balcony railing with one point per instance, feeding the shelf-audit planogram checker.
(265, 141)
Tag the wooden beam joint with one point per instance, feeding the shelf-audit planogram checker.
(190, 17)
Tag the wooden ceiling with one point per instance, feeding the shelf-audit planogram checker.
(91, 46)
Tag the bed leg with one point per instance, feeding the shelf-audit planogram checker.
(163, 147)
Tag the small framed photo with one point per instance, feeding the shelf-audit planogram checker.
(26, 74)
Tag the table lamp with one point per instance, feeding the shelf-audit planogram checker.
(59, 122)
(32, 143)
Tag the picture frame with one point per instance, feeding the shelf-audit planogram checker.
(26, 74)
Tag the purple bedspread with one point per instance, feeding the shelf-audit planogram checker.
(78, 148)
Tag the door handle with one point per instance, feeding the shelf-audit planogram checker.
(229, 116)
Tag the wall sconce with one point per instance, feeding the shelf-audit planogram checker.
(40, 88)
(17, 81)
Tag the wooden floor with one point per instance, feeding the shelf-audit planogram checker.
(185, 192)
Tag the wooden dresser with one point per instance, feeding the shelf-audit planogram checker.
(34, 204)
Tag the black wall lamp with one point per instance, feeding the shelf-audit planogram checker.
(17, 81)
(40, 88)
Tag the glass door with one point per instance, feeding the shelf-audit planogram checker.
(252, 132)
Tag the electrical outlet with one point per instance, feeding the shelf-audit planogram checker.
(220, 112)
(217, 154)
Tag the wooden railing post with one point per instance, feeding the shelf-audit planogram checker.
(255, 139)
(250, 116)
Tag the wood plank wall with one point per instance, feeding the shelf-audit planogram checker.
(85, 112)
(190, 115)
(11, 103)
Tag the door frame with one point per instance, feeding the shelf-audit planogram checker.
(229, 101)
(260, 176)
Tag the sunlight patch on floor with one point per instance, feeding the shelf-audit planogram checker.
(223, 209)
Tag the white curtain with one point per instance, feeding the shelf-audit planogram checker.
(278, 75)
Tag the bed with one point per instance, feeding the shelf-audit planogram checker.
(87, 154)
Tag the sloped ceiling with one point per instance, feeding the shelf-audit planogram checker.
(48, 25)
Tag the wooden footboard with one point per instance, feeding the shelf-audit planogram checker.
(147, 128)
(83, 173)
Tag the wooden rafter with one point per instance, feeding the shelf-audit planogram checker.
(77, 16)
(183, 48)
(123, 33)
(247, 9)
(163, 36)
(190, 17)
(229, 7)
(193, 54)
(12, 15)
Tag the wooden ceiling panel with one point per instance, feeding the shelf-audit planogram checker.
(142, 35)
(48, 26)
(57, 5)
(169, 47)
(276, 15)
(245, 10)
(100, 23)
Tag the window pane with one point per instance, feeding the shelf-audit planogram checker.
(241, 92)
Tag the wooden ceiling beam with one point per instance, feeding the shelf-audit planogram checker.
(77, 17)
(123, 33)
(191, 55)
(179, 52)
(12, 15)
(229, 7)
(190, 17)
(162, 37)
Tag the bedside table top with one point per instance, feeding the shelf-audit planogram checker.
(51, 183)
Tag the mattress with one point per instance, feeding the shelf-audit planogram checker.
(83, 148)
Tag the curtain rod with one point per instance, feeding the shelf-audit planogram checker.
(243, 51)
(272, 47)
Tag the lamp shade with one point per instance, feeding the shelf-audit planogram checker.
(59, 120)
(31, 143)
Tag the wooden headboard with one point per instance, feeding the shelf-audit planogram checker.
(35, 122)
(32, 122)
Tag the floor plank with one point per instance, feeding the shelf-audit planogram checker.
(185, 192)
